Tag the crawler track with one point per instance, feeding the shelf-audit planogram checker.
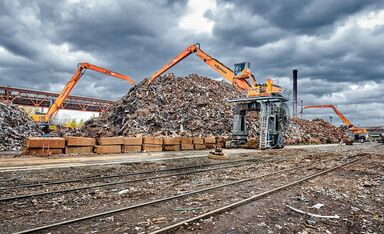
(171, 227)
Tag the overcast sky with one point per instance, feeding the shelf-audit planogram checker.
(337, 46)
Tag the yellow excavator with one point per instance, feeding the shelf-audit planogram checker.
(267, 98)
(44, 119)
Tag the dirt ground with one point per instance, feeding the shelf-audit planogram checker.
(354, 194)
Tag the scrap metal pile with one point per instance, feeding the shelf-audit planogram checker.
(186, 106)
(313, 131)
(192, 106)
(15, 125)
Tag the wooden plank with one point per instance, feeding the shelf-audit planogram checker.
(107, 149)
(220, 139)
(210, 146)
(152, 148)
(131, 148)
(171, 147)
(45, 142)
(34, 151)
(133, 141)
(110, 140)
(78, 150)
(198, 141)
(153, 140)
(187, 147)
(171, 141)
(221, 144)
(199, 147)
(79, 141)
(209, 140)
(186, 140)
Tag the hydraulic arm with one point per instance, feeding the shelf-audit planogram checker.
(347, 123)
(82, 67)
(241, 77)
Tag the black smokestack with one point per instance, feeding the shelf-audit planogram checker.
(294, 101)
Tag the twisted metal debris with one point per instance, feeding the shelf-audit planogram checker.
(15, 125)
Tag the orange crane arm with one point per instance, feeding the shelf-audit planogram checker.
(342, 117)
(227, 73)
(82, 67)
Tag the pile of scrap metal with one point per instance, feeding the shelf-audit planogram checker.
(15, 125)
(187, 106)
(316, 131)
(193, 106)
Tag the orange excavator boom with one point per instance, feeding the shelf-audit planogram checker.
(346, 121)
(240, 82)
(82, 67)
(342, 117)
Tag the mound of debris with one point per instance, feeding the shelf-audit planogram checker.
(190, 106)
(15, 125)
(313, 131)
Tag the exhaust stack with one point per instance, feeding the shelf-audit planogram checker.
(294, 99)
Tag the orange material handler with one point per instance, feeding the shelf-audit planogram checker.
(82, 67)
(241, 77)
(355, 130)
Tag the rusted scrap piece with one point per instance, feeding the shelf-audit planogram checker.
(313, 215)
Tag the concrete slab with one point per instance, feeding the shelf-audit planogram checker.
(8, 161)
(40, 163)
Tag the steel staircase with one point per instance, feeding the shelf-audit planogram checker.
(264, 124)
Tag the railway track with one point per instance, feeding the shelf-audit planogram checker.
(3, 199)
(204, 190)
(217, 211)
(57, 182)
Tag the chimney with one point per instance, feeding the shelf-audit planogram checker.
(294, 100)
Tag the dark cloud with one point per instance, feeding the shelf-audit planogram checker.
(339, 61)
(303, 16)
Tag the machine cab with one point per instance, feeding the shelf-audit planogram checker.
(239, 68)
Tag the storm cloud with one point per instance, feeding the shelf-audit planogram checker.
(335, 45)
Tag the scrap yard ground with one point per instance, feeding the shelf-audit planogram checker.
(153, 194)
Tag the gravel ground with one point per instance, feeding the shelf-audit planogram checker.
(355, 193)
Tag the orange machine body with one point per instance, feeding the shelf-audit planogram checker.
(82, 67)
(241, 77)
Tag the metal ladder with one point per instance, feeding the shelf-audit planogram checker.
(264, 124)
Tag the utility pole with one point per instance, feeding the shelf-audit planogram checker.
(302, 109)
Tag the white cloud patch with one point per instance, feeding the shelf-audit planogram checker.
(194, 19)
(372, 20)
